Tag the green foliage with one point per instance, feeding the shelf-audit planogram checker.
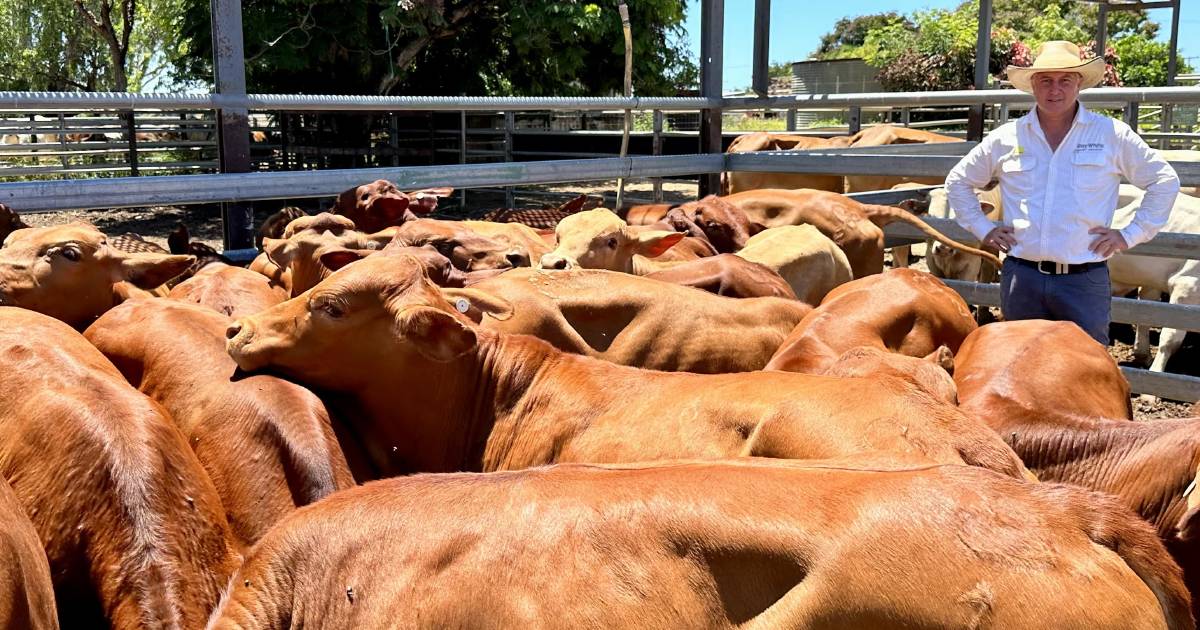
(49, 46)
(1143, 61)
(494, 47)
(849, 34)
(935, 49)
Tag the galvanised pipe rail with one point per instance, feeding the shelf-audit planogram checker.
(126, 192)
(21, 101)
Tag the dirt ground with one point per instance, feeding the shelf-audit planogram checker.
(204, 224)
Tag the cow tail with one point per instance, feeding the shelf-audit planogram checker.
(883, 215)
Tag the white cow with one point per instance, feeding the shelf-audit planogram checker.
(945, 262)
(1153, 275)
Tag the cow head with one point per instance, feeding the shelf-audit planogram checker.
(930, 374)
(380, 313)
(467, 249)
(10, 222)
(599, 239)
(380, 204)
(296, 253)
(725, 226)
(70, 272)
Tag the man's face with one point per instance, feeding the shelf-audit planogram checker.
(1056, 92)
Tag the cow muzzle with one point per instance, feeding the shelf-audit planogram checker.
(554, 261)
(239, 336)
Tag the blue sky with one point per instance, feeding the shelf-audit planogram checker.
(797, 26)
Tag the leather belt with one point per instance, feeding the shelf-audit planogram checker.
(1052, 268)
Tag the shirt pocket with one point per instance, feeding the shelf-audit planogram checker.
(1091, 172)
(1018, 176)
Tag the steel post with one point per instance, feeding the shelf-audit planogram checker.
(712, 30)
(233, 124)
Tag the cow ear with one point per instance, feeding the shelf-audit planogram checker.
(334, 259)
(755, 228)
(653, 244)
(943, 357)
(474, 303)
(148, 271)
(426, 201)
(437, 335)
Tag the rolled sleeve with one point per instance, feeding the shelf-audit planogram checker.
(973, 171)
(1148, 170)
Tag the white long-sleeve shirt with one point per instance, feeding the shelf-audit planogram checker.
(1052, 198)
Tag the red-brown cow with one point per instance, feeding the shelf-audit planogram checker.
(1062, 403)
(267, 444)
(70, 272)
(132, 526)
(903, 310)
(380, 204)
(26, 593)
(231, 291)
(474, 399)
(856, 227)
(838, 544)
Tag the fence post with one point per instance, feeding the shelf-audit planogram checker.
(393, 139)
(1131, 116)
(510, 121)
(855, 120)
(233, 124)
(791, 119)
(131, 134)
(33, 139)
(712, 30)
(656, 149)
(1165, 125)
(62, 140)
(283, 140)
(462, 153)
(905, 116)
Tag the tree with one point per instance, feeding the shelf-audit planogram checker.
(498, 47)
(1143, 61)
(850, 33)
(84, 44)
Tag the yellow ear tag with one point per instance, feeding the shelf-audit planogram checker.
(462, 305)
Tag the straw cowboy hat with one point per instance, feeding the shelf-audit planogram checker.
(1058, 56)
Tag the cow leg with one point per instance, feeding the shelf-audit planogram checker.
(1141, 343)
(1183, 291)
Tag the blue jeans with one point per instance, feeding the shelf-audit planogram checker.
(1084, 298)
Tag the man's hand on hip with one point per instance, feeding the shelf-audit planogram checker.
(1001, 238)
(1108, 241)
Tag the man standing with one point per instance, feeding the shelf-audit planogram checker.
(1059, 168)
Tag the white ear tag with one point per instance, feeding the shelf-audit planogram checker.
(462, 305)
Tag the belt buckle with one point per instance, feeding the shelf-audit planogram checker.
(1059, 268)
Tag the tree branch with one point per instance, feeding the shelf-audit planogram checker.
(409, 53)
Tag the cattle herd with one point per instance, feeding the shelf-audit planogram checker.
(724, 413)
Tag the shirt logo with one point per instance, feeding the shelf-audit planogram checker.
(1089, 146)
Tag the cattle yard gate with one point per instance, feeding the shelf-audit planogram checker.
(228, 113)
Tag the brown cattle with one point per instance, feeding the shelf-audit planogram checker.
(267, 444)
(292, 262)
(837, 544)
(640, 322)
(931, 374)
(26, 593)
(467, 248)
(856, 227)
(881, 135)
(10, 222)
(902, 310)
(380, 204)
(131, 524)
(231, 291)
(475, 399)
(70, 272)
(1061, 402)
(518, 236)
(275, 224)
(599, 239)
(727, 275)
(739, 181)
(807, 260)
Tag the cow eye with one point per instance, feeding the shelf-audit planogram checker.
(445, 248)
(330, 308)
(612, 242)
(70, 253)
(366, 196)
